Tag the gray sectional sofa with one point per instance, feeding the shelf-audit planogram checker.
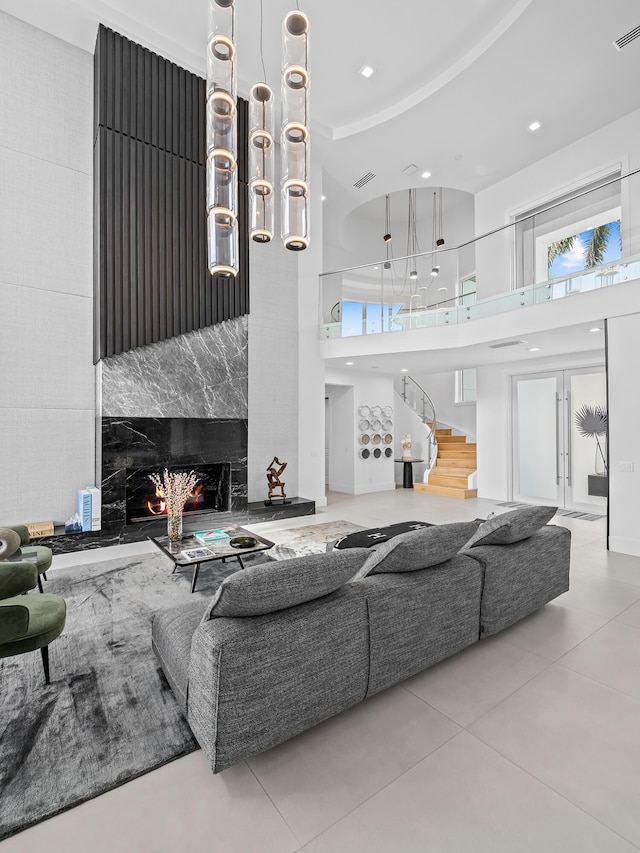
(284, 645)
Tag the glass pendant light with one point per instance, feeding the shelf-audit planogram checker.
(261, 157)
(295, 131)
(222, 149)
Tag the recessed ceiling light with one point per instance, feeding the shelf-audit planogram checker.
(426, 175)
(323, 197)
(350, 363)
(595, 329)
(404, 370)
(535, 125)
(534, 349)
(367, 71)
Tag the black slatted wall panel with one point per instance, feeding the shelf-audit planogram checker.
(151, 277)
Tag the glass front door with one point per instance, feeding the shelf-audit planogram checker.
(559, 447)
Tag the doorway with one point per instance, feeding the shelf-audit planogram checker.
(554, 462)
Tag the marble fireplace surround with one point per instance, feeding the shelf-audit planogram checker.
(129, 444)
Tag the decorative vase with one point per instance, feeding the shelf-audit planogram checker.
(174, 526)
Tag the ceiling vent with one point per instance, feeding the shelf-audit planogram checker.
(368, 176)
(506, 344)
(623, 41)
(411, 169)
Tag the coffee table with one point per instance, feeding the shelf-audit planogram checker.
(221, 548)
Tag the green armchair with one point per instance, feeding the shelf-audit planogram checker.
(27, 622)
(43, 555)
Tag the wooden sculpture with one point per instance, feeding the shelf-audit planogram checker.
(273, 478)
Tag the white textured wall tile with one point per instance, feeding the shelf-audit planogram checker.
(45, 457)
(46, 96)
(47, 433)
(273, 365)
(46, 345)
(46, 222)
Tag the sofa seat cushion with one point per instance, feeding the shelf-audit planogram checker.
(511, 527)
(171, 636)
(9, 542)
(418, 549)
(273, 586)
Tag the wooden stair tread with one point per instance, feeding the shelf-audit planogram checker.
(452, 439)
(460, 462)
(452, 471)
(446, 491)
(450, 482)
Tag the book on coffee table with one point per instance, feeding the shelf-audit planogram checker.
(197, 553)
(208, 536)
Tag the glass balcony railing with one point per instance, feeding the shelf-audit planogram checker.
(365, 318)
(572, 246)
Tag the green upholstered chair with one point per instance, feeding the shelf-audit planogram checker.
(43, 554)
(27, 622)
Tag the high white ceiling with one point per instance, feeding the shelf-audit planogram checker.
(455, 87)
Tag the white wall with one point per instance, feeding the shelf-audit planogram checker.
(441, 388)
(311, 450)
(493, 417)
(623, 334)
(339, 427)
(367, 475)
(616, 144)
(47, 395)
(273, 364)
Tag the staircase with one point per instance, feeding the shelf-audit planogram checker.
(455, 461)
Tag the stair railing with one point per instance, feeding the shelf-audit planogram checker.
(428, 416)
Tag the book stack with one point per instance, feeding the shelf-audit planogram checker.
(90, 508)
(207, 537)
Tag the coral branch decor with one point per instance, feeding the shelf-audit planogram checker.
(176, 487)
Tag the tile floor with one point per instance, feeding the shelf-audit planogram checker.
(528, 741)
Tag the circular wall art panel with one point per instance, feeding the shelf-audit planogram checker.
(364, 438)
(377, 438)
(377, 453)
(376, 411)
(388, 438)
(388, 452)
(387, 411)
(376, 425)
(387, 425)
(365, 453)
(363, 424)
(364, 411)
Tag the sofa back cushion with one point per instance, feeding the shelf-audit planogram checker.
(280, 584)
(511, 527)
(418, 549)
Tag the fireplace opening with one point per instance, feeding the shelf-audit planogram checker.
(212, 492)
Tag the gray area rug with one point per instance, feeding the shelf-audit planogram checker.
(109, 715)
(310, 539)
(569, 513)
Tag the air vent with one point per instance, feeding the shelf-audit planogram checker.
(368, 176)
(411, 169)
(623, 41)
(507, 344)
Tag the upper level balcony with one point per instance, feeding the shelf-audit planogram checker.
(567, 264)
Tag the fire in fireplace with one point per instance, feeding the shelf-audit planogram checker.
(211, 494)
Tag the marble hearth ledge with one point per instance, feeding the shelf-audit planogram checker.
(66, 543)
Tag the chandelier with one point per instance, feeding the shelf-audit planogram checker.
(222, 142)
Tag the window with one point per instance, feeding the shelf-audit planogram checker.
(568, 234)
(465, 385)
(366, 318)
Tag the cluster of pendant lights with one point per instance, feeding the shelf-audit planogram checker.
(222, 142)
